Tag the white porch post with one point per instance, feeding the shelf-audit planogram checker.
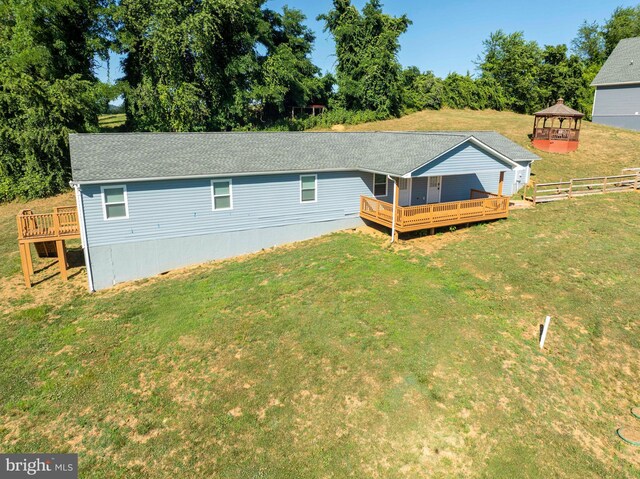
(394, 210)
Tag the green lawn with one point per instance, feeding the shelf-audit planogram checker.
(342, 357)
(112, 123)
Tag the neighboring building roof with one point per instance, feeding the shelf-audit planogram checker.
(622, 66)
(137, 156)
(559, 110)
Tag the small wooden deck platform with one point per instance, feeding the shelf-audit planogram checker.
(48, 232)
(436, 215)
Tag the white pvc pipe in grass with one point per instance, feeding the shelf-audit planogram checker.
(545, 328)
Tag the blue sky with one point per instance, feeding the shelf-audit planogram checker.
(446, 36)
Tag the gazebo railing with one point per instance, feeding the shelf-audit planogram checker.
(566, 134)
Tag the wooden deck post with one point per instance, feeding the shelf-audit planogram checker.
(25, 266)
(27, 254)
(62, 258)
(501, 183)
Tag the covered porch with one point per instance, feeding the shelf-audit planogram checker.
(436, 215)
(432, 213)
(469, 183)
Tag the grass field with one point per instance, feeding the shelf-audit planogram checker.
(112, 123)
(341, 356)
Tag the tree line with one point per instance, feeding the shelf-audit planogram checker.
(218, 65)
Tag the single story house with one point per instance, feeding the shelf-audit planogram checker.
(151, 202)
(617, 96)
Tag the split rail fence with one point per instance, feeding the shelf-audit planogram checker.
(576, 187)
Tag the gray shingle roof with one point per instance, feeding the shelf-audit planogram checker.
(559, 109)
(622, 66)
(130, 156)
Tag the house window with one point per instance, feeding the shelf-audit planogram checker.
(379, 185)
(114, 202)
(221, 194)
(308, 187)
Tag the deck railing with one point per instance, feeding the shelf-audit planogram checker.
(61, 223)
(435, 215)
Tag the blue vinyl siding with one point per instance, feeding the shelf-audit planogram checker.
(630, 122)
(463, 168)
(617, 101)
(462, 160)
(180, 208)
(458, 187)
(617, 106)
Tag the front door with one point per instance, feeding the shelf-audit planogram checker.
(404, 184)
(433, 189)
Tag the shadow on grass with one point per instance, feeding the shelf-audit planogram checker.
(75, 261)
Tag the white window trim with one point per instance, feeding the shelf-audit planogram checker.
(213, 194)
(386, 185)
(315, 179)
(104, 202)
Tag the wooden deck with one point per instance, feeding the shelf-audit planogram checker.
(48, 231)
(483, 206)
(62, 223)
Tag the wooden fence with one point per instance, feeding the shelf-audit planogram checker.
(576, 187)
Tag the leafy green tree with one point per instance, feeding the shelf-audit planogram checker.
(594, 43)
(460, 92)
(189, 63)
(624, 23)
(322, 89)
(561, 76)
(195, 65)
(106, 93)
(47, 49)
(463, 91)
(421, 91)
(489, 94)
(287, 76)
(589, 43)
(514, 64)
(368, 73)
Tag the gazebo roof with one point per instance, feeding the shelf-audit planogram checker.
(560, 110)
